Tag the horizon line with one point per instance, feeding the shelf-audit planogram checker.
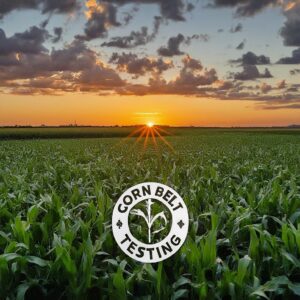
(140, 125)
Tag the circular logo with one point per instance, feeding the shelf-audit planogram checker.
(150, 222)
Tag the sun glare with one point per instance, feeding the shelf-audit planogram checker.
(150, 134)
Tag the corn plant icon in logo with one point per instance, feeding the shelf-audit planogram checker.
(150, 222)
(149, 219)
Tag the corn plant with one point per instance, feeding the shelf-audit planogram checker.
(241, 187)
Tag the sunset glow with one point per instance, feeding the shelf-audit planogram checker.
(99, 62)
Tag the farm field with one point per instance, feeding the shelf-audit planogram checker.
(241, 187)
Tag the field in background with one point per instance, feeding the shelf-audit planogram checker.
(15, 133)
(241, 187)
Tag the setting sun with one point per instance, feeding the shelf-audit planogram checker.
(150, 124)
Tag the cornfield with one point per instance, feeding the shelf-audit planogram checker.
(242, 190)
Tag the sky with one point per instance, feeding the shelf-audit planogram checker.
(171, 62)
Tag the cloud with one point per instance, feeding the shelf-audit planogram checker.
(132, 64)
(291, 29)
(191, 64)
(291, 33)
(281, 84)
(294, 59)
(201, 37)
(57, 34)
(73, 68)
(265, 88)
(246, 8)
(193, 79)
(135, 38)
(192, 74)
(265, 95)
(9, 59)
(251, 72)
(295, 71)
(190, 7)
(99, 77)
(128, 16)
(101, 17)
(45, 6)
(77, 68)
(59, 6)
(240, 46)
(224, 85)
(237, 28)
(276, 107)
(252, 59)
(170, 9)
(172, 47)
(29, 41)
(174, 43)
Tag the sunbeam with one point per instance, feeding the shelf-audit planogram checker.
(149, 134)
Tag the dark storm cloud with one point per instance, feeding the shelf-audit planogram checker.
(245, 8)
(29, 41)
(132, 64)
(135, 38)
(46, 6)
(252, 59)
(237, 28)
(251, 72)
(294, 59)
(57, 34)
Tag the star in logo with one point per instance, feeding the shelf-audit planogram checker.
(119, 224)
(180, 224)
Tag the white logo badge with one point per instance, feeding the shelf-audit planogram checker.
(150, 222)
